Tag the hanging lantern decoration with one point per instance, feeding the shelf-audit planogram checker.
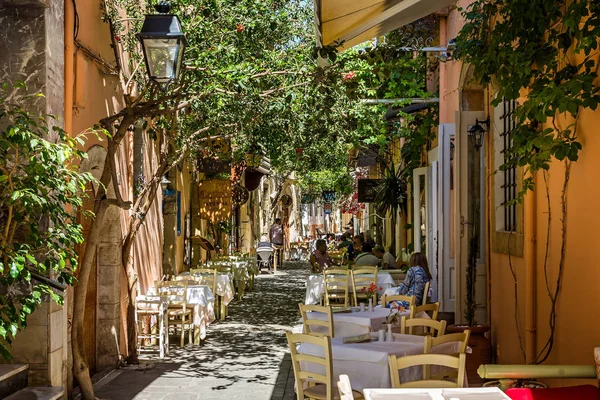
(476, 132)
(240, 195)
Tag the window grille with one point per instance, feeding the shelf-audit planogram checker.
(509, 187)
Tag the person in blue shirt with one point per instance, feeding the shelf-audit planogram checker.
(416, 278)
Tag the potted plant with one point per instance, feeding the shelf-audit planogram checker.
(479, 343)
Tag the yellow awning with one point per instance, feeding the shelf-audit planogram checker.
(356, 21)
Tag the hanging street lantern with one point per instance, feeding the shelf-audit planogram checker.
(163, 43)
(476, 132)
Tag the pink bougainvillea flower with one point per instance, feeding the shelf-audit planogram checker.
(239, 28)
(349, 75)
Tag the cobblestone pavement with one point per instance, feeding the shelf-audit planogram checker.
(245, 357)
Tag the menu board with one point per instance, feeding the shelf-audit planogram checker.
(215, 199)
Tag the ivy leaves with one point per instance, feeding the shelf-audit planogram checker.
(542, 53)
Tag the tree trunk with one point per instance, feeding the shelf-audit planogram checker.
(81, 370)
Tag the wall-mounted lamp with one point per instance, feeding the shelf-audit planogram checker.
(477, 131)
(452, 148)
(164, 183)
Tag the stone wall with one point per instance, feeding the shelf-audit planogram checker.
(32, 48)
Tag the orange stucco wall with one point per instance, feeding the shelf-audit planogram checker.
(578, 324)
(98, 94)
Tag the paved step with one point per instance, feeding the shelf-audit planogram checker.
(38, 393)
(13, 377)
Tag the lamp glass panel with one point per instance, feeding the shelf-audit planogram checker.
(163, 58)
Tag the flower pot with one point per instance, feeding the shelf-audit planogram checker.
(481, 350)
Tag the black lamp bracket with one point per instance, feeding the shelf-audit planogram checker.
(486, 122)
(163, 7)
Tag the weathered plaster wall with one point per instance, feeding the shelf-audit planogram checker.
(31, 44)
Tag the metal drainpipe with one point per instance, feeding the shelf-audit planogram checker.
(529, 253)
(68, 68)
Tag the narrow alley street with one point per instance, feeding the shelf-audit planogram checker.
(244, 357)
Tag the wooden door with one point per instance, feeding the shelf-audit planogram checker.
(446, 267)
(469, 191)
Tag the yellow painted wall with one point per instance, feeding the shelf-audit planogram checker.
(578, 324)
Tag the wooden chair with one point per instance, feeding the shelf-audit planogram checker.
(205, 276)
(178, 312)
(362, 278)
(433, 308)
(345, 388)
(462, 337)
(336, 285)
(411, 300)
(425, 293)
(398, 363)
(408, 324)
(307, 310)
(320, 386)
(149, 307)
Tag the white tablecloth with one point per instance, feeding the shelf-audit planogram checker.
(436, 394)
(366, 364)
(357, 323)
(224, 287)
(203, 301)
(315, 286)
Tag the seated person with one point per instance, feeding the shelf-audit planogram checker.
(345, 242)
(366, 258)
(416, 278)
(319, 259)
(356, 247)
(387, 259)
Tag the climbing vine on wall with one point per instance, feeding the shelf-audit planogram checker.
(544, 54)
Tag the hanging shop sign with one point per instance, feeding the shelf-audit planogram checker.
(307, 198)
(286, 200)
(240, 195)
(215, 199)
(327, 207)
(215, 157)
(367, 190)
(329, 196)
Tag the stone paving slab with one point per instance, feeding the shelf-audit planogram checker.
(245, 357)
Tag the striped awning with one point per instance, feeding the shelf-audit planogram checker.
(351, 22)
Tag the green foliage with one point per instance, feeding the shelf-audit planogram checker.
(39, 192)
(547, 50)
(391, 191)
(337, 180)
(419, 131)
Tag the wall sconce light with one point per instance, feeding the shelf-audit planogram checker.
(477, 131)
(452, 148)
(164, 183)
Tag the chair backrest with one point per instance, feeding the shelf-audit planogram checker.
(175, 291)
(411, 300)
(399, 363)
(462, 337)
(408, 324)
(307, 321)
(345, 388)
(362, 278)
(425, 293)
(205, 276)
(434, 308)
(336, 284)
(300, 360)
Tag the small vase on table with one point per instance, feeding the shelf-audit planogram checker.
(370, 304)
(390, 335)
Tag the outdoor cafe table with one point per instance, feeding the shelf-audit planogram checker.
(357, 322)
(203, 300)
(366, 364)
(436, 394)
(224, 289)
(315, 286)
